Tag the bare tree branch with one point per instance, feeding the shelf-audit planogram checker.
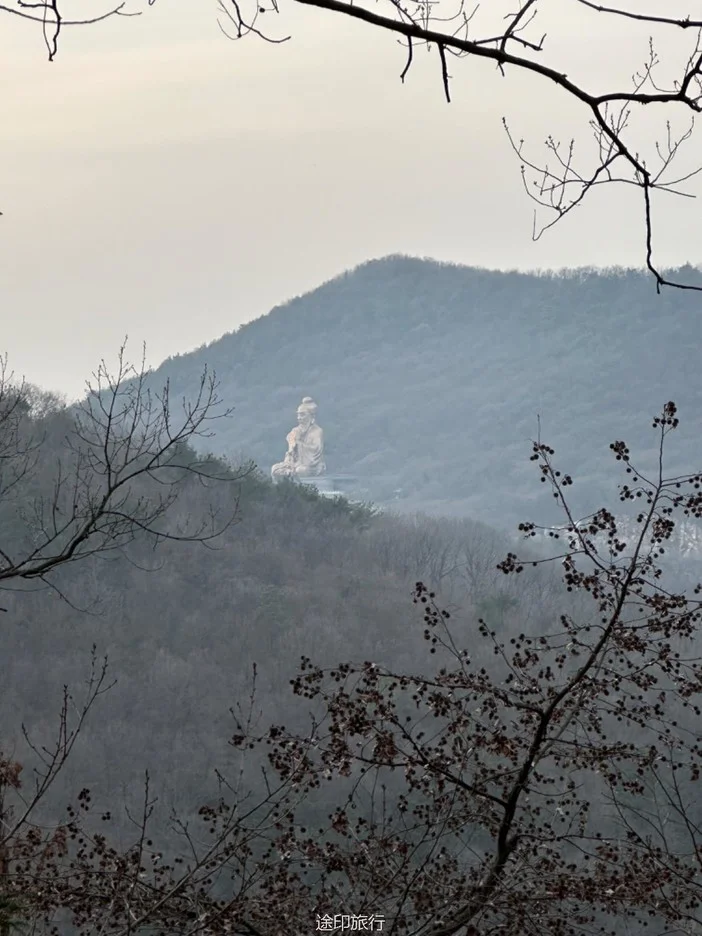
(127, 454)
(562, 190)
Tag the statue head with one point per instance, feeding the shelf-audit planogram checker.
(306, 412)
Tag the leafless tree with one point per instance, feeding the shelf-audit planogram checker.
(125, 455)
(549, 792)
(515, 39)
(70, 871)
(48, 14)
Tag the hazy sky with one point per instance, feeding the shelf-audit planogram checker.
(160, 181)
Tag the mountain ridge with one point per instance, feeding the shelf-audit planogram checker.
(432, 378)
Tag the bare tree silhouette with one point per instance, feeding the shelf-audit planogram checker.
(126, 454)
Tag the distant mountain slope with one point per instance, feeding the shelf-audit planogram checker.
(429, 378)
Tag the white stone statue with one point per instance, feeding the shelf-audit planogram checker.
(305, 455)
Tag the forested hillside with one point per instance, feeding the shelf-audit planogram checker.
(297, 574)
(428, 703)
(430, 379)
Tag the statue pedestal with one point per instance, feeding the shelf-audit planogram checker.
(331, 485)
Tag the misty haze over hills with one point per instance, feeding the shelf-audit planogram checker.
(432, 379)
(464, 697)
